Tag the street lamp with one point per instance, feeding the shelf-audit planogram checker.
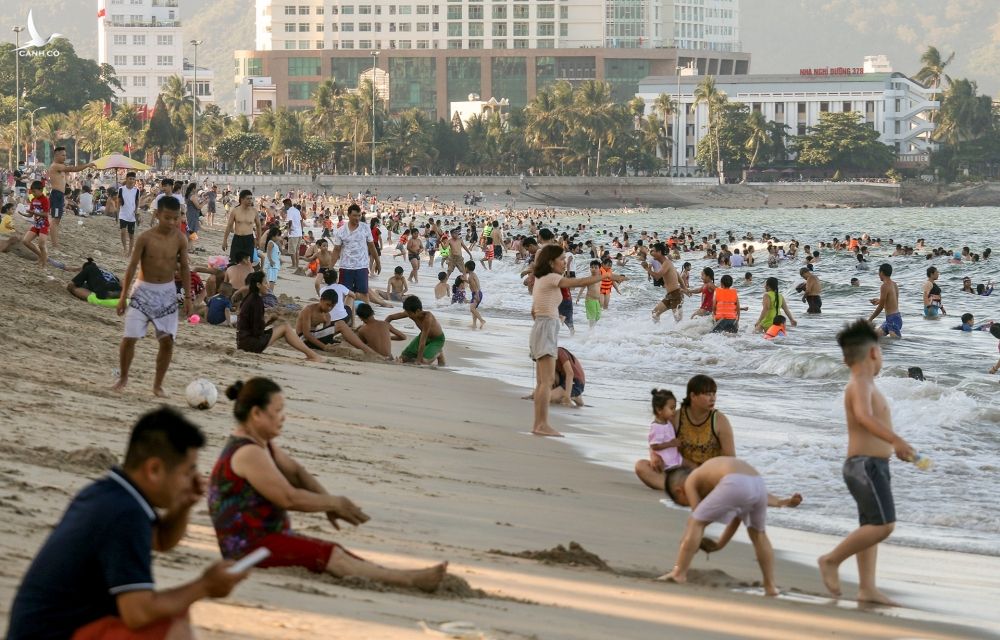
(17, 93)
(287, 153)
(32, 112)
(194, 105)
(374, 69)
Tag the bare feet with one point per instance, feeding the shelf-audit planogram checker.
(312, 357)
(771, 591)
(792, 502)
(428, 579)
(159, 392)
(673, 576)
(545, 430)
(828, 571)
(120, 385)
(875, 597)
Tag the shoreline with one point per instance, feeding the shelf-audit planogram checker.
(433, 456)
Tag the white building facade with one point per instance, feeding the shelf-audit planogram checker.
(500, 24)
(899, 108)
(144, 41)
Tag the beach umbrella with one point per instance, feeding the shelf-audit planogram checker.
(118, 161)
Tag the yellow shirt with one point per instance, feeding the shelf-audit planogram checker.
(7, 224)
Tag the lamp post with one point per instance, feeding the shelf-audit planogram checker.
(194, 105)
(374, 69)
(287, 153)
(32, 114)
(17, 93)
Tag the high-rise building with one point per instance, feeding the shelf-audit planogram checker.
(144, 41)
(435, 52)
(504, 24)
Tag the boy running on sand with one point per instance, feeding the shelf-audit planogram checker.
(157, 254)
(870, 443)
(593, 301)
(725, 490)
(476, 294)
(429, 344)
(377, 334)
(38, 209)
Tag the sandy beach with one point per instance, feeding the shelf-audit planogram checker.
(439, 460)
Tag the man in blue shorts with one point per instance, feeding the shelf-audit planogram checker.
(354, 247)
(888, 300)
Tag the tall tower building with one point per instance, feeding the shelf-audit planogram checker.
(144, 41)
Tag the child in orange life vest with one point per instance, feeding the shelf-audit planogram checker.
(607, 283)
(777, 329)
(726, 307)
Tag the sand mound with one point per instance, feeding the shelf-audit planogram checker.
(575, 556)
(452, 587)
(715, 578)
(88, 458)
(98, 458)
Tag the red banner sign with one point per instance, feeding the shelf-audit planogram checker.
(832, 71)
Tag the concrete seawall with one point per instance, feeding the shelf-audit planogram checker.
(587, 192)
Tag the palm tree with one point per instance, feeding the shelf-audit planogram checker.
(932, 73)
(667, 108)
(707, 92)
(175, 94)
(964, 114)
(546, 121)
(759, 135)
(48, 129)
(323, 116)
(593, 107)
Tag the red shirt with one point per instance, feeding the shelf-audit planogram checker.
(38, 206)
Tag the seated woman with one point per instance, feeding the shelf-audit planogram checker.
(94, 281)
(704, 433)
(255, 483)
(252, 333)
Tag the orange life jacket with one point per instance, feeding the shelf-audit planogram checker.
(774, 331)
(727, 304)
(606, 281)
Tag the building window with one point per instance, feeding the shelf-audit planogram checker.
(334, 28)
(423, 44)
(117, 19)
(405, 10)
(303, 27)
(499, 29)
(846, 107)
(121, 40)
(364, 26)
(520, 30)
(545, 12)
(347, 9)
(454, 44)
(301, 90)
(500, 12)
(140, 61)
(520, 12)
(139, 81)
(136, 18)
(319, 28)
(475, 13)
(120, 61)
(546, 43)
(289, 10)
(475, 44)
(546, 28)
(520, 43)
(365, 9)
(801, 131)
(319, 10)
(476, 29)
(319, 44)
(117, 2)
(413, 84)
(289, 44)
(347, 26)
(303, 67)
(140, 100)
(161, 80)
(334, 11)
(303, 45)
(454, 13)
(423, 9)
(564, 13)
(364, 44)
(139, 41)
(165, 41)
(499, 44)
(454, 29)
(161, 61)
(289, 27)
(510, 80)
(303, 10)
(423, 26)
(347, 44)
(405, 26)
(563, 29)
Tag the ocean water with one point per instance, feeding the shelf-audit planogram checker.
(784, 398)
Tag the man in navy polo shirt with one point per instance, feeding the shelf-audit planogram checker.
(93, 576)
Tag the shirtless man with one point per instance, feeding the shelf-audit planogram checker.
(244, 224)
(377, 334)
(456, 245)
(318, 315)
(871, 442)
(236, 273)
(413, 248)
(428, 346)
(158, 252)
(726, 490)
(888, 300)
(671, 284)
(57, 188)
(498, 239)
(811, 291)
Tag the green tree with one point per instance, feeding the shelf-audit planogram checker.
(931, 72)
(758, 137)
(594, 115)
(727, 139)
(61, 83)
(707, 92)
(242, 151)
(161, 135)
(964, 114)
(842, 141)
(313, 152)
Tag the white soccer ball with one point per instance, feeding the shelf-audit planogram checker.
(202, 394)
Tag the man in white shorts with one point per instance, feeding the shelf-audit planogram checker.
(725, 490)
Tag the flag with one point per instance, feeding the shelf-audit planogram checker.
(102, 12)
(107, 109)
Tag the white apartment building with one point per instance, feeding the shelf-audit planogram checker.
(899, 108)
(500, 24)
(144, 41)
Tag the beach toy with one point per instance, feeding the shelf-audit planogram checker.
(922, 462)
(254, 558)
(201, 394)
(194, 318)
(218, 262)
(194, 236)
(106, 302)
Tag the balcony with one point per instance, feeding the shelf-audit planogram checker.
(165, 3)
(152, 23)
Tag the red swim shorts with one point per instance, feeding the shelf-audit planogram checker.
(112, 628)
(294, 550)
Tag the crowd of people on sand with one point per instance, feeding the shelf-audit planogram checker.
(336, 243)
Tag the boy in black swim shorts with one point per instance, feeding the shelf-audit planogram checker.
(871, 441)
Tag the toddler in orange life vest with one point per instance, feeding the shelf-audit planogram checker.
(777, 329)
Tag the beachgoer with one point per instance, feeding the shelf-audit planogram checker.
(475, 294)
(220, 307)
(396, 285)
(159, 254)
(295, 219)
(726, 490)
(354, 247)
(429, 344)
(244, 223)
(34, 238)
(94, 281)
(413, 249)
(871, 441)
(377, 334)
(673, 300)
(772, 305)
(272, 256)
(812, 289)
(441, 288)
(777, 328)
(932, 295)
(128, 208)
(663, 440)
(255, 483)
(726, 307)
(889, 301)
(57, 188)
(995, 332)
(252, 332)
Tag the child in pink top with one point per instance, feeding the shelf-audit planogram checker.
(663, 440)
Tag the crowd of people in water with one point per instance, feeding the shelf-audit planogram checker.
(336, 244)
